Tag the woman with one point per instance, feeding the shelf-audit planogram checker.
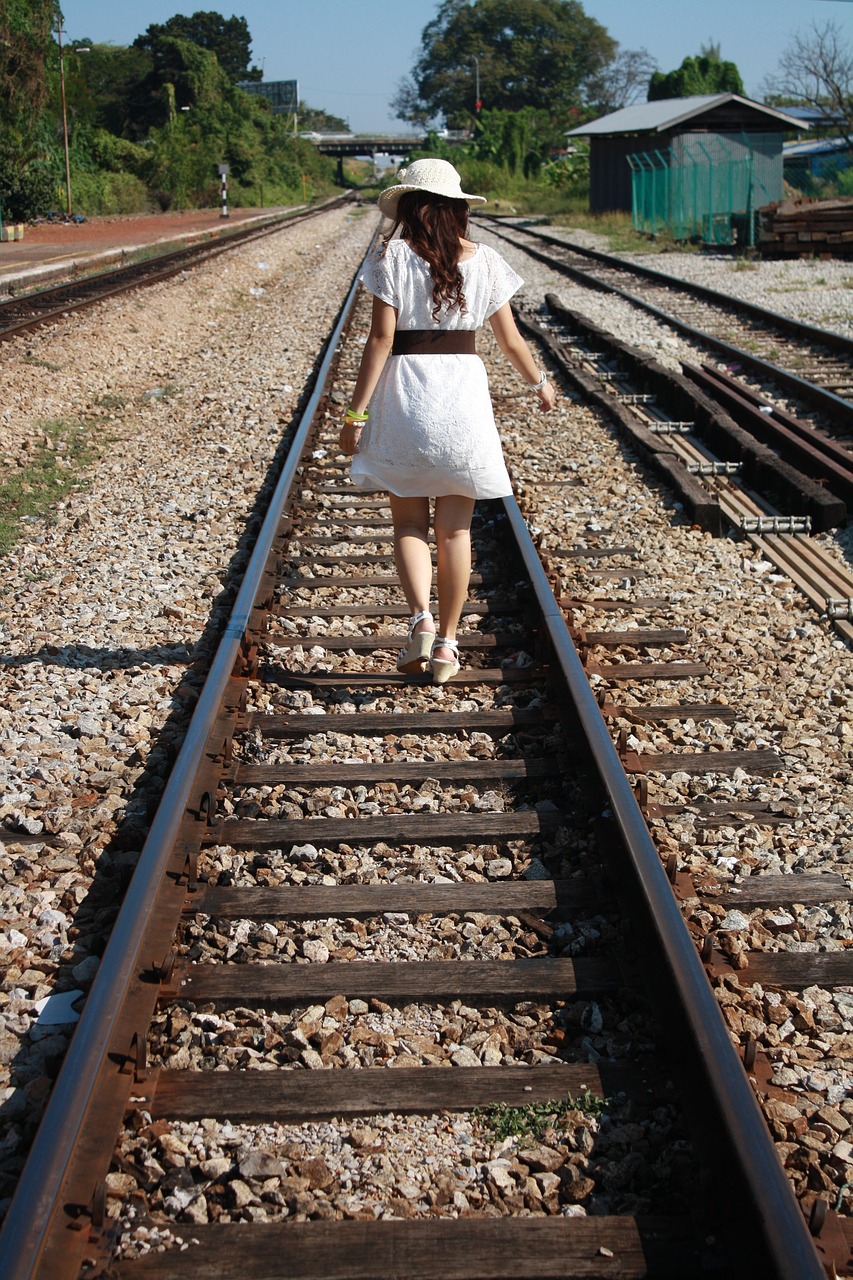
(421, 424)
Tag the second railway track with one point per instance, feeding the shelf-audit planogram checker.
(21, 314)
(318, 786)
(810, 368)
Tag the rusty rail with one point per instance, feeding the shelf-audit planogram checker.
(766, 1231)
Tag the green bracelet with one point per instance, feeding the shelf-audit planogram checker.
(352, 416)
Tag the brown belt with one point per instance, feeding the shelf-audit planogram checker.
(425, 342)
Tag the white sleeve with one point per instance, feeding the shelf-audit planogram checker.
(379, 275)
(503, 283)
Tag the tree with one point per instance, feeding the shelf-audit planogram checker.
(705, 74)
(29, 75)
(228, 38)
(623, 81)
(523, 53)
(518, 141)
(27, 49)
(816, 70)
(315, 118)
(105, 87)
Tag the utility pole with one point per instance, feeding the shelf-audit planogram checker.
(75, 49)
(64, 120)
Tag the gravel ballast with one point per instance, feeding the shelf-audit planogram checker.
(109, 607)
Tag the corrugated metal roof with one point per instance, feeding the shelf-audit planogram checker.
(817, 115)
(817, 146)
(655, 117)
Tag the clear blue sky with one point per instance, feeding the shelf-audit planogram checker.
(349, 55)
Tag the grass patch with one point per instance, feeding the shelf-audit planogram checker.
(42, 364)
(533, 1118)
(745, 264)
(618, 231)
(52, 470)
(111, 401)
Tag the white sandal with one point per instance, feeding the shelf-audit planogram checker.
(443, 668)
(414, 656)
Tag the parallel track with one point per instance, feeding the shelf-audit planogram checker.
(810, 367)
(312, 615)
(22, 313)
(722, 474)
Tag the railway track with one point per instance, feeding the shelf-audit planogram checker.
(726, 478)
(809, 369)
(318, 785)
(736, 458)
(20, 314)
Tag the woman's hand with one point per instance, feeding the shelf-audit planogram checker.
(547, 398)
(350, 436)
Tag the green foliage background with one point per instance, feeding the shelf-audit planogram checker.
(148, 125)
(705, 74)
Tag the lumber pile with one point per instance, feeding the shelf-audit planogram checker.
(803, 228)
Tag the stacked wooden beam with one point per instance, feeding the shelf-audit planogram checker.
(803, 227)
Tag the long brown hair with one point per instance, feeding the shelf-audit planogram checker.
(433, 225)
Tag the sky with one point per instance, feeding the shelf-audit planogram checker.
(349, 56)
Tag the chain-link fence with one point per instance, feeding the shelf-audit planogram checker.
(706, 186)
(819, 176)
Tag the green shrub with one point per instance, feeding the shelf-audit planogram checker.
(101, 193)
(119, 154)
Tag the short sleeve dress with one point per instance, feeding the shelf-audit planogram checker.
(431, 430)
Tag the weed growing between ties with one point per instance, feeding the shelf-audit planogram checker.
(533, 1118)
(42, 364)
(618, 230)
(50, 472)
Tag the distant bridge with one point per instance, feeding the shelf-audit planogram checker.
(355, 145)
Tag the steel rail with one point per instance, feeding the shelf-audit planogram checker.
(99, 286)
(778, 1221)
(813, 570)
(835, 406)
(37, 1196)
(776, 1214)
(826, 337)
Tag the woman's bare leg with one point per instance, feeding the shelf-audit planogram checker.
(453, 551)
(412, 554)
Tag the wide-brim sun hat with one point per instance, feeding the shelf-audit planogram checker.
(437, 176)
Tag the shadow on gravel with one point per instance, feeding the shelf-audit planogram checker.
(34, 1060)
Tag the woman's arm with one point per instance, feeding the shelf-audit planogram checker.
(518, 353)
(376, 351)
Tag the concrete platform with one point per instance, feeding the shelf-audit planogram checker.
(53, 251)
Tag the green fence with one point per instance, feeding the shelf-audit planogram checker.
(821, 177)
(706, 186)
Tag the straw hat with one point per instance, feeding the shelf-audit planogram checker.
(437, 176)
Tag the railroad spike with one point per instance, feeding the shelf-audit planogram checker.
(98, 1209)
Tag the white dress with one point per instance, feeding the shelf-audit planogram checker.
(431, 430)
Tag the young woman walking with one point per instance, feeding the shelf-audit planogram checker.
(421, 424)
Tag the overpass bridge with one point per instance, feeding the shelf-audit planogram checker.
(343, 145)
